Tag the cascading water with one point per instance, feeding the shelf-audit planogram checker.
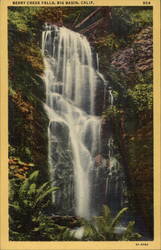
(70, 92)
(115, 190)
(74, 132)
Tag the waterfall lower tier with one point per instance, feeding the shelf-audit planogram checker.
(74, 132)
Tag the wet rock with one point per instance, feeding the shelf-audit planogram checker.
(62, 170)
(61, 132)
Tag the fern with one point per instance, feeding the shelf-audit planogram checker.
(118, 217)
(128, 234)
(33, 176)
(42, 188)
(103, 227)
(106, 212)
(32, 189)
(26, 218)
(41, 197)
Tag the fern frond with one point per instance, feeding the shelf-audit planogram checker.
(118, 217)
(33, 176)
(106, 212)
(43, 195)
(42, 188)
(32, 189)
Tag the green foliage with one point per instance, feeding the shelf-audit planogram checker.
(18, 20)
(142, 18)
(111, 112)
(28, 201)
(28, 221)
(141, 97)
(25, 60)
(121, 21)
(145, 77)
(103, 228)
(27, 118)
(131, 96)
(124, 25)
(11, 150)
(31, 196)
(111, 42)
(129, 234)
(129, 20)
(131, 117)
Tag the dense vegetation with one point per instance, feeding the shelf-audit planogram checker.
(128, 48)
(124, 44)
(29, 203)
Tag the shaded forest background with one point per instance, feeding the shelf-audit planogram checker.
(122, 37)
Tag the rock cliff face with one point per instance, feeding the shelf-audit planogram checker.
(138, 57)
(143, 50)
(124, 62)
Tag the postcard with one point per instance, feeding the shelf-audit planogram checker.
(80, 124)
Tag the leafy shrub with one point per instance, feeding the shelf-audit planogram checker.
(126, 21)
(28, 201)
(141, 96)
(104, 227)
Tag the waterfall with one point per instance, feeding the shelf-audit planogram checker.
(115, 189)
(74, 89)
(70, 80)
(97, 62)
